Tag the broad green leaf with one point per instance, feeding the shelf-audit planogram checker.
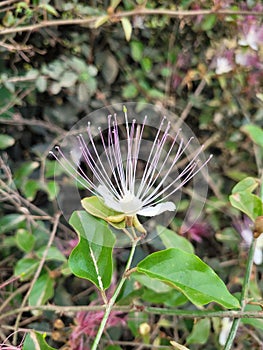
(172, 298)
(209, 22)
(30, 189)
(25, 268)
(52, 254)
(127, 27)
(151, 283)
(22, 173)
(10, 222)
(137, 50)
(52, 189)
(25, 240)
(42, 291)
(36, 341)
(6, 141)
(200, 332)
(248, 184)
(188, 274)
(255, 133)
(94, 206)
(248, 203)
(171, 239)
(92, 257)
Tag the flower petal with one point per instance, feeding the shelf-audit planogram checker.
(108, 198)
(157, 209)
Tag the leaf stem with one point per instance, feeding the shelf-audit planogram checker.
(111, 302)
(243, 297)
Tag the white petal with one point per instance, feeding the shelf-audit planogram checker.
(226, 326)
(258, 256)
(108, 198)
(157, 209)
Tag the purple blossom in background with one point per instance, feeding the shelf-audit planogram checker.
(88, 322)
(197, 231)
(87, 326)
(244, 228)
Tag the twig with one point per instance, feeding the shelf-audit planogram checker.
(37, 273)
(131, 308)
(117, 16)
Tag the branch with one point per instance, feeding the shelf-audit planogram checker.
(119, 15)
(234, 314)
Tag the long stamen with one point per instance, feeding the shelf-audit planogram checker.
(149, 162)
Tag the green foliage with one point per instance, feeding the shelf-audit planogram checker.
(53, 75)
(35, 340)
(242, 198)
(92, 257)
(188, 274)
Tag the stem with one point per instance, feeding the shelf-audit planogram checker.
(244, 292)
(111, 303)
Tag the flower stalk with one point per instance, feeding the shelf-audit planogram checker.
(112, 300)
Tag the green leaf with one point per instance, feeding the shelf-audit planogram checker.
(8, 19)
(50, 9)
(200, 332)
(52, 254)
(42, 291)
(30, 189)
(36, 341)
(188, 274)
(137, 50)
(22, 173)
(151, 283)
(6, 141)
(90, 260)
(171, 239)
(129, 91)
(254, 132)
(248, 203)
(209, 22)
(25, 240)
(25, 268)
(52, 189)
(10, 222)
(248, 184)
(127, 27)
(95, 206)
(41, 83)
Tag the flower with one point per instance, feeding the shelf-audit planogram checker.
(243, 227)
(223, 65)
(226, 325)
(87, 324)
(116, 178)
(197, 232)
(252, 36)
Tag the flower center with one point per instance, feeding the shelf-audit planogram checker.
(130, 204)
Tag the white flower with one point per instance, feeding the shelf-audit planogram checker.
(244, 228)
(225, 330)
(223, 65)
(115, 179)
(252, 38)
